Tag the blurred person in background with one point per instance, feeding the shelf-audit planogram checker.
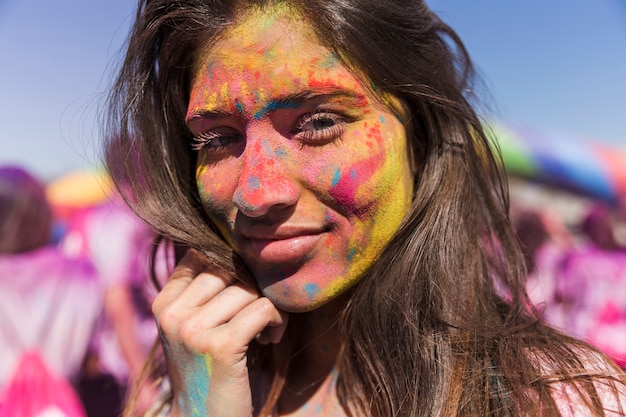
(591, 290)
(578, 277)
(599, 228)
(119, 244)
(545, 241)
(49, 302)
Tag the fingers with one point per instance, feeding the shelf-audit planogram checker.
(272, 320)
(191, 283)
(254, 319)
(228, 323)
(206, 310)
(199, 324)
(228, 343)
(207, 320)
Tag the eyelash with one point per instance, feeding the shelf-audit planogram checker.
(309, 135)
(320, 135)
(205, 139)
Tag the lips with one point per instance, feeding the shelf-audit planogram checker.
(285, 245)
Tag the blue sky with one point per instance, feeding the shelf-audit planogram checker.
(550, 64)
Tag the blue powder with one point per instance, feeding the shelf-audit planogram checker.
(336, 177)
(311, 290)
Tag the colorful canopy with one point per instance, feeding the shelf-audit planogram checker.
(78, 189)
(581, 165)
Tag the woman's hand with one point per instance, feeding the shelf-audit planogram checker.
(207, 321)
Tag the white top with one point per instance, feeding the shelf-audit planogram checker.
(48, 302)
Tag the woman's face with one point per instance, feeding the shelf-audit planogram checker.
(305, 173)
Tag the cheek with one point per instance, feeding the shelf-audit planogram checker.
(360, 172)
(215, 190)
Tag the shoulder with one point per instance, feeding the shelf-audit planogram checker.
(47, 264)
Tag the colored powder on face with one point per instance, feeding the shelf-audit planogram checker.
(200, 184)
(336, 177)
(276, 105)
(243, 203)
(263, 174)
(267, 155)
(225, 90)
(239, 106)
(254, 183)
(312, 290)
(330, 62)
(346, 186)
(361, 183)
(280, 152)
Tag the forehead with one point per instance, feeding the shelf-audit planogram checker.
(269, 32)
(267, 51)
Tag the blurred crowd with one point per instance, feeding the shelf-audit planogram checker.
(75, 283)
(75, 287)
(577, 271)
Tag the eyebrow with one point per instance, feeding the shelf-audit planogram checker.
(290, 101)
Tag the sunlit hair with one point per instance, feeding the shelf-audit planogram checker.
(25, 214)
(440, 325)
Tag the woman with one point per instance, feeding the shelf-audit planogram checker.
(119, 245)
(351, 250)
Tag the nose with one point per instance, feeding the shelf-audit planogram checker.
(265, 179)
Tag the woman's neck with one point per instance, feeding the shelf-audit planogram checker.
(311, 376)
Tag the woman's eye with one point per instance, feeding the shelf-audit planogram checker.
(214, 141)
(320, 128)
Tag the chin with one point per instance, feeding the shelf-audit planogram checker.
(301, 298)
(303, 288)
(294, 306)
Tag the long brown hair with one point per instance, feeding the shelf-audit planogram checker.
(441, 324)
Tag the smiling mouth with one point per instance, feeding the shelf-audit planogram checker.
(283, 249)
